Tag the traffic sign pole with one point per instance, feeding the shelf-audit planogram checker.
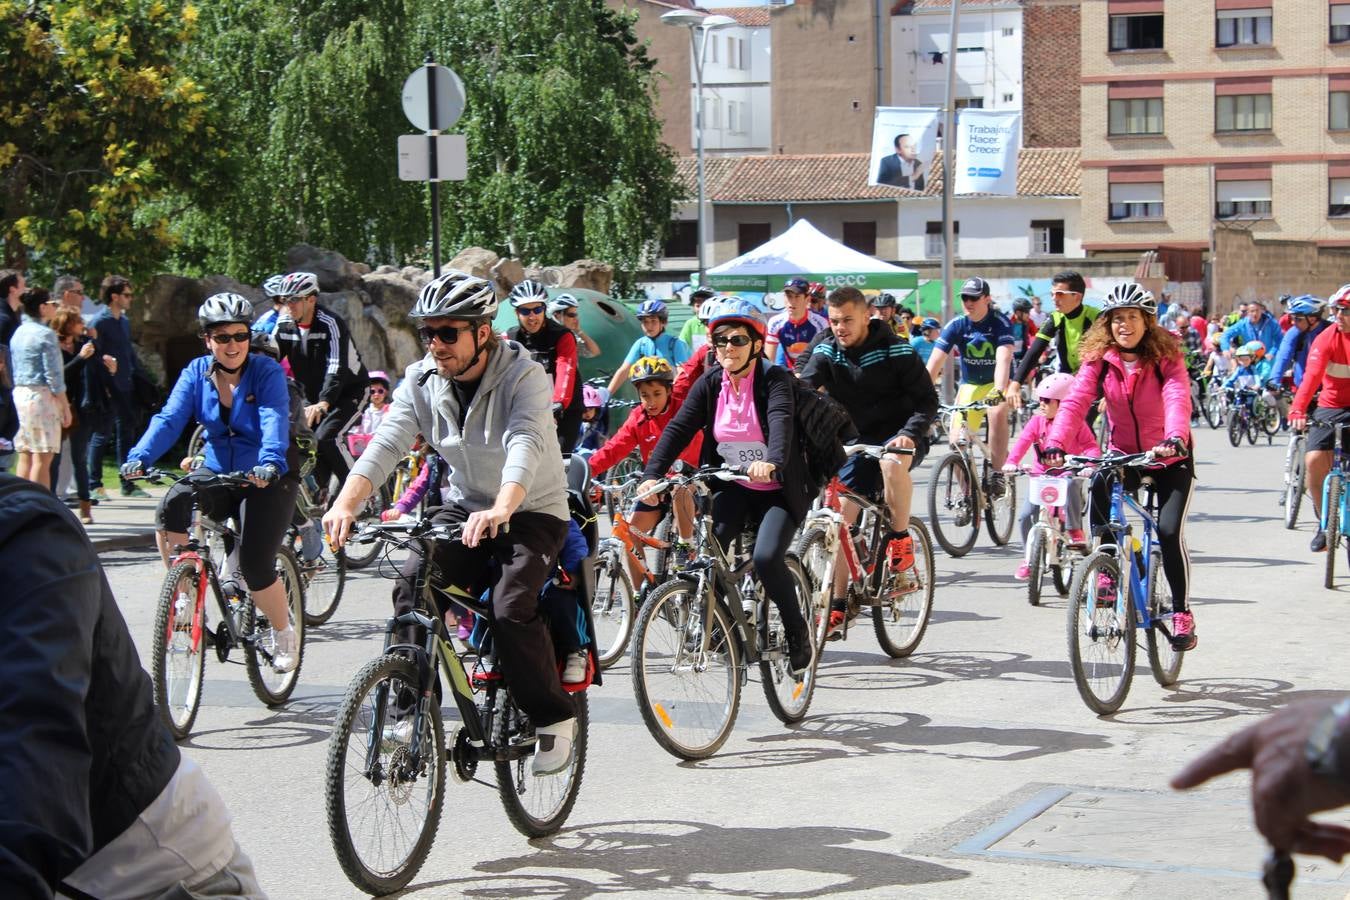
(433, 169)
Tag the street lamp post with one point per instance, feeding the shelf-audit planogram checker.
(699, 25)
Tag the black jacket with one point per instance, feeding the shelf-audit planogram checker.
(777, 412)
(882, 383)
(328, 366)
(82, 752)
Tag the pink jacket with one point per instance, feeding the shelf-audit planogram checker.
(1145, 408)
(1082, 442)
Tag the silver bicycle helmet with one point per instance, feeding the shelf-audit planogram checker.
(225, 309)
(456, 295)
(1130, 296)
(299, 284)
(272, 286)
(527, 291)
(561, 302)
(265, 342)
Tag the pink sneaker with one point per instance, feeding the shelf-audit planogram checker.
(1023, 572)
(1106, 590)
(1183, 632)
(1076, 536)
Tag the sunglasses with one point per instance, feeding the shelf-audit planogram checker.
(1343, 310)
(292, 301)
(969, 300)
(530, 310)
(569, 315)
(377, 390)
(237, 337)
(447, 334)
(1063, 293)
(735, 340)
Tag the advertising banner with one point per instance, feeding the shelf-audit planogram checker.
(986, 152)
(903, 143)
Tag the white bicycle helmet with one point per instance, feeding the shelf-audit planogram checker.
(561, 302)
(528, 291)
(300, 284)
(225, 309)
(1130, 296)
(272, 287)
(456, 295)
(708, 308)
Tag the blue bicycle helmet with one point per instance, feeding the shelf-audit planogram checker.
(653, 308)
(738, 311)
(1305, 305)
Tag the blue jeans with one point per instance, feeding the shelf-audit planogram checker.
(118, 423)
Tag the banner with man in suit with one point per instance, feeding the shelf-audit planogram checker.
(903, 143)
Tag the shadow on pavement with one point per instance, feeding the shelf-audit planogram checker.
(344, 631)
(924, 669)
(1211, 699)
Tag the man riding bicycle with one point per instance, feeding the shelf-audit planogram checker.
(1064, 328)
(1328, 370)
(1305, 315)
(554, 347)
(485, 407)
(862, 360)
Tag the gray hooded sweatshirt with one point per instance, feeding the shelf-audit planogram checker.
(508, 435)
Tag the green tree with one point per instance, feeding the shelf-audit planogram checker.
(98, 121)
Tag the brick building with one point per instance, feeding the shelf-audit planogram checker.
(1050, 68)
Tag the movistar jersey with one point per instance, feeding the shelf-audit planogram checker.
(977, 343)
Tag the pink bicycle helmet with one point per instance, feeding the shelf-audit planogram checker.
(591, 397)
(1055, 387)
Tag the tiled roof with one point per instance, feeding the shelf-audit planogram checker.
(749, 16)
(1041, 172)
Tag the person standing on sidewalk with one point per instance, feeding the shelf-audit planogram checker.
(11, 286)
(39, 388)
(112, 335)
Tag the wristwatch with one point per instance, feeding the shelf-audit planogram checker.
(1322, 751)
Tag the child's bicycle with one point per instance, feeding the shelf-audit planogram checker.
(1049, 550)
(182, 633)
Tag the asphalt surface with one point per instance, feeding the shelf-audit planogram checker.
(970, 769)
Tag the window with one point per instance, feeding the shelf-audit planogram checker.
(1009, 98)
(1339, 204)
(961, 50)
(715, 114)
(1242, 27)
(712, 46)
(1138, 115)
(1340, 24)
(1047, 237)
(1242, 200)
(1007, 32)
(731, 53)
(1137, 32)
(1136, 201)
(861, 236)
(932, 239)
(1339, 105)
(682, 240)
(1242, 112)
(750, 235)
(733, 123)
(970, 103)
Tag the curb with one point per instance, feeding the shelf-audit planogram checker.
(132, 541)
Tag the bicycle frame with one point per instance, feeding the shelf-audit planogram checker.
(1340, 469)
(1139, 584)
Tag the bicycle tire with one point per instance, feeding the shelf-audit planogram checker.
(386, 876)
(1270, 421)
(1162, 658)
(325, 579)
(900, 624)
(1106, 635)
(1036, 565)
(358, 557)
(1061, 579)
(172, 658)
(944, 483)
(673, 607)
(810, 549)
(1212, 408)
(274, 688)
(197, 442)
(612, 608)
(788, 697)
(518, 787)
(1000, 512)
(1235, 430)
(1253, 429)
(1293, 488)
(1333, 529)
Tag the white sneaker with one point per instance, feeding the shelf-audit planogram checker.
(553, 753)
(287, 652)
(400, 731)
(574, 669)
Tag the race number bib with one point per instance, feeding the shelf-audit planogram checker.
(742, 453)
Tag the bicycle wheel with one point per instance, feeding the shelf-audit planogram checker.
(178, 651)
(1333, 529)
(1061, 577)
(324, 579)
(270, 686)
(1162, 659)
(1253, 428)
(1212, 408)
(538, 805)
(1101, 634)
(688, 698)
(1270, 421)
(1000, 511)
(788, 696)
(383, 806)
(903, 601)
(1036, 565)
(197, 442)
(810, 549)
(1293, 482)
(612, 608)
(360, 556)
(952, 506)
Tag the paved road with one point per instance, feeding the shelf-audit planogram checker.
(970, 769)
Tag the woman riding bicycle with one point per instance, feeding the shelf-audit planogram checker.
(1140, 368)
(241, 400)
(745, 410)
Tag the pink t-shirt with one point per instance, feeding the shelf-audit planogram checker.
(740, 438)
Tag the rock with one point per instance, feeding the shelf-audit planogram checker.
(335, 271)
(475, 261)
(416, 275)
(588, 273)
(393, 294)
(508, 274)
(386, 269)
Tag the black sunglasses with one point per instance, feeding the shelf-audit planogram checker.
(530, 310)
(238, 337)
(735, 340)
(448, 334)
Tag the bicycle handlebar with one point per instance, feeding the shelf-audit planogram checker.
(993, 400)
(403, 532)
(723, 473)
(196, 478)
(877, 451)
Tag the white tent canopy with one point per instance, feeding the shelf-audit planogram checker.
(803, 252)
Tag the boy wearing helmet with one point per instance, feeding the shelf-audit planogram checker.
(554, 347)
(1328, 370)
(695, 330)
(792, 331)
(1081, 441)
(652, 315)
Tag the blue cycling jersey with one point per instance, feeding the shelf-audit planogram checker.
(977, 342)
(794, 338)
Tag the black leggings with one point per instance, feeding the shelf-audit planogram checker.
(732, 507)
(1174, 485)
(329, 435)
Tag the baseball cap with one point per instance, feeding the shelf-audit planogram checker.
(975, 287)
(800, 285)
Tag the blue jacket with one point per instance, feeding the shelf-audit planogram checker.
(114, 339)
(1267, 332)
(1294, 349)
(258, 432)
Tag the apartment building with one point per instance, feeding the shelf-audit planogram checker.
(1199, 114)
(988, 54)
(737, 100)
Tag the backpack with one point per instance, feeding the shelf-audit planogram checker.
(823, 427)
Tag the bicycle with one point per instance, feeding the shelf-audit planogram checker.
(386, 766)
(1049, 549)
(177, 653)
(899, 610)
(1336, 506)
(323, 570)
(955, 492)
(697, 634)
(1242, 419)
(1294, 475)
(1106, 609)
(1266, 415)
(1214, 406)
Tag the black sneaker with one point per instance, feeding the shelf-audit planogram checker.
(1319, 542)
(998, 485)
(800, 652)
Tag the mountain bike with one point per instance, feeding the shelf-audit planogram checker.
(182, 633)
(697, 634)
(1118, 590)
(898, 603)
(387, 758)
(1049, 549)
(1294, 464)
(323, 570)
(1336, 506)
(957, 500)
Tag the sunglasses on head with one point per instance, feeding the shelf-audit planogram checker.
(447, 334)
(530, 310)
(734, 340)
(238, 337)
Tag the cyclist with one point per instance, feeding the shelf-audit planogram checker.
(744, 409)
(816, 293)
(1256, 325)
(905, 316)
(269, 320)
(1023, 328)
(1064, 328)
(554, 347)
(1305, 314)
(985, 340)
(860, 361)
(793, 329)
(695, 330)
(923, 344)
(1328, 370)
(1138, 365)
(324, 360)
(884, 311)
(484, 406)
(241, 400)
(652, 315)
(565, 310)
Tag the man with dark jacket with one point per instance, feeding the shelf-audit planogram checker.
(111, 330)
(97, 801)
(880, 380)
